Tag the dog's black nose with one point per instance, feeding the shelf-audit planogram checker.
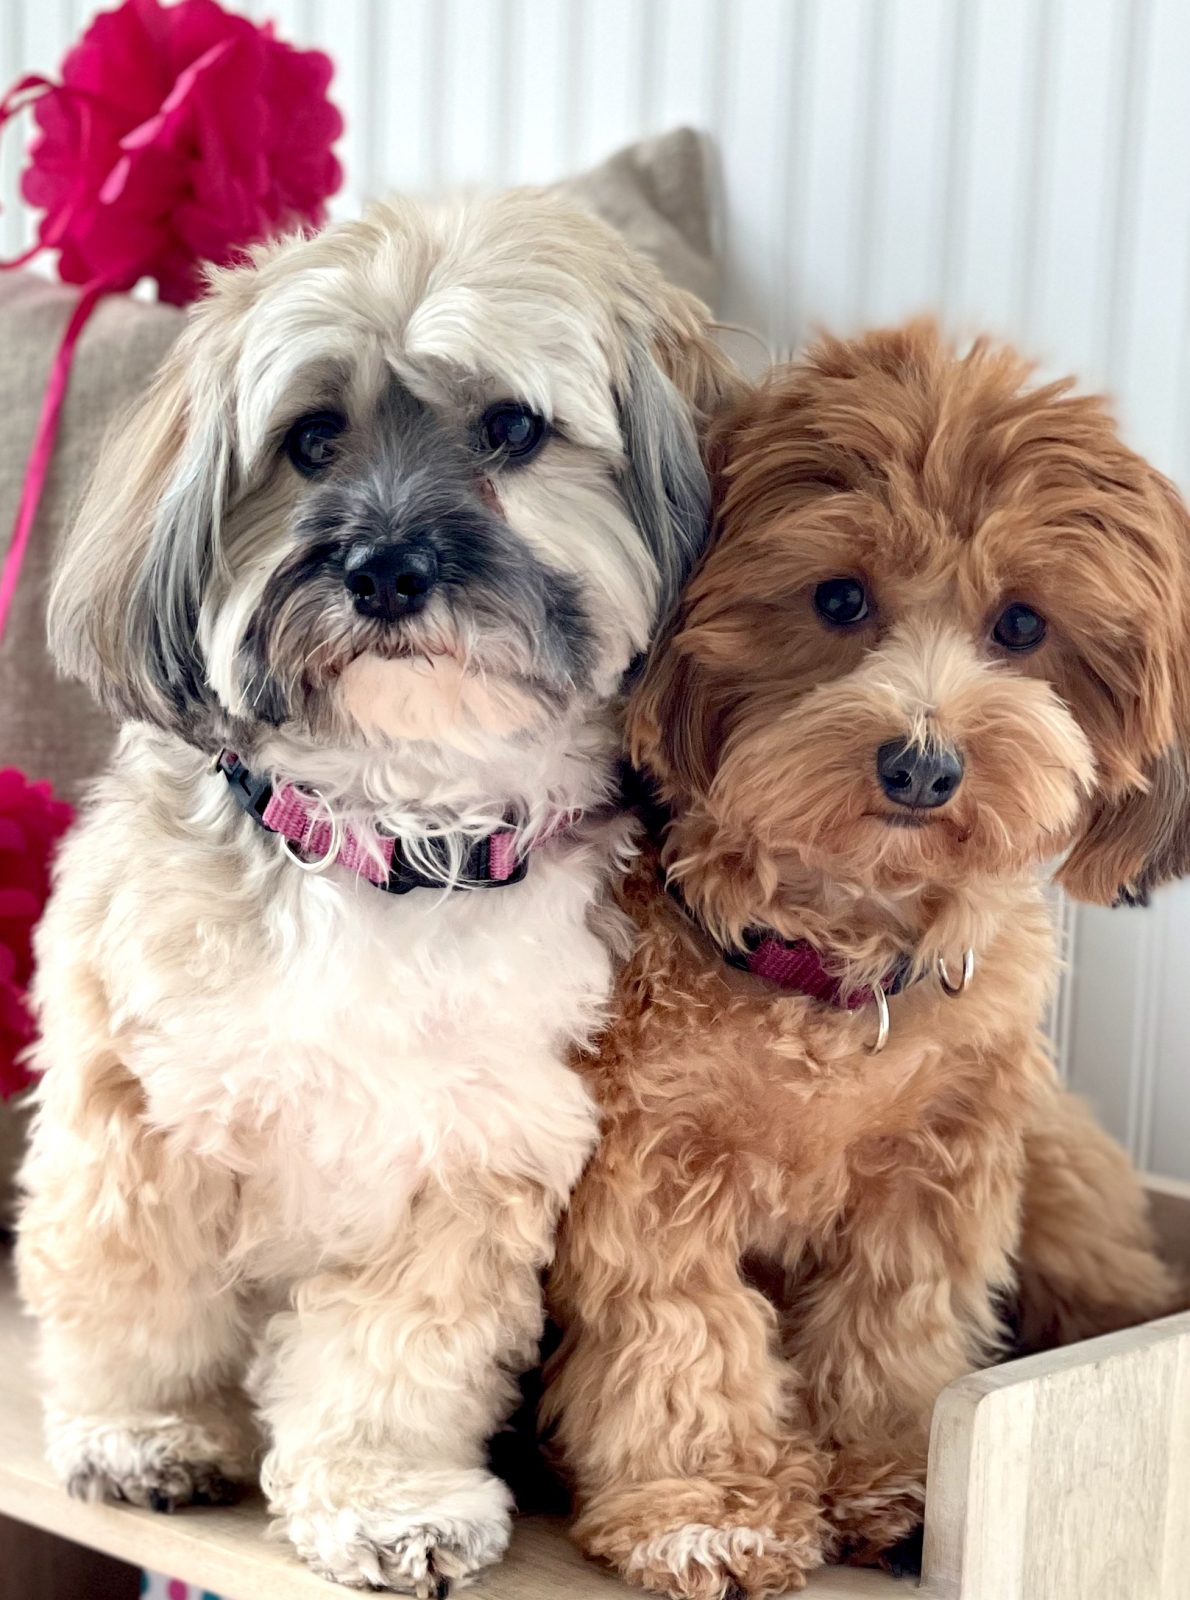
(390, 580)
(918, 778)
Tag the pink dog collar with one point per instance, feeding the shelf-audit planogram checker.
(300, 819)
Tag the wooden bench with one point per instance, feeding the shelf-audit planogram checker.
(1065, 1476)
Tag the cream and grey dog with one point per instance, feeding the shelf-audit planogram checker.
(362, 577)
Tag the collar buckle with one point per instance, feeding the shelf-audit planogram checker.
(249, 790)
(476, 872)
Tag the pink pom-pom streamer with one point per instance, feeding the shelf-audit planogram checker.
(31, 823)
(178, 136)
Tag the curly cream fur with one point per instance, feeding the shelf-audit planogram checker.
(291, 1130)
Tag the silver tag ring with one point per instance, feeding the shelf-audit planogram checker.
(956, 989)
(882, 1021)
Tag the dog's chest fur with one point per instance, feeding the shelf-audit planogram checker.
(707, 1073)
(332, 1045)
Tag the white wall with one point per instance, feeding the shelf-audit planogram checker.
(1023, 165)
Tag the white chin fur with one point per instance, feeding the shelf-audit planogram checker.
(433, 698)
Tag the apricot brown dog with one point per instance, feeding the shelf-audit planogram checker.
(941, 639)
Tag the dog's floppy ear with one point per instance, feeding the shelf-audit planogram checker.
(686, 351)
(677, 382)
(1134, 844)
(123, 610)
(673, 725)
(1139, 839)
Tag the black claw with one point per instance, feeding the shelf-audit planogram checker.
(441, 1584)
(216, 1491)
(735, 1591)
(904, 1558)
(160, 1501)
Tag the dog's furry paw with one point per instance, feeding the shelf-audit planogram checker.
(735, 1536)
(874, 1502)
(421, 1533)
(160, 1463)
(700, 1562)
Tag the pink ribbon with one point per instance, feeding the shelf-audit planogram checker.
(43, 448)
(20, 96)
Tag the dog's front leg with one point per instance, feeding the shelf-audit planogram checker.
(121, 1258)
(383, 1384)
(676, 1415)
(906, 1303)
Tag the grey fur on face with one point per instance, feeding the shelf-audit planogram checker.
(164, 605)
(204, 589)
(403, 481)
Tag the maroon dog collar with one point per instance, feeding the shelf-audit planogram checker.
(300, 818)
(798, 967)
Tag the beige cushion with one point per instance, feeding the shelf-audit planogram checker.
(48, 727)
(656, 192)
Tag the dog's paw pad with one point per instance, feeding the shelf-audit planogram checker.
(424, 1562)
(162, 1463)
(429, 1562)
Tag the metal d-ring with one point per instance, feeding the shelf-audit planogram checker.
(332, 851)
(954, 990)
(882, 1024)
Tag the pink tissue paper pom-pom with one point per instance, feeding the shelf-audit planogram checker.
(31, 823)
(178, 135)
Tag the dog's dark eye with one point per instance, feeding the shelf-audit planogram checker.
(1019, 627)
(513, 429)
(841, 601)
(310, 443)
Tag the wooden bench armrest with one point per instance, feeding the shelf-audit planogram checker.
(1066, 1476)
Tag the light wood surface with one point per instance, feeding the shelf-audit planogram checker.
(1066, 1476)
(226, 1551)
